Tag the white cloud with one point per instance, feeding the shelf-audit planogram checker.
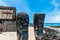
(23, 5)
(55, 19)
(3, 3)
(54, 16)
(55, 4)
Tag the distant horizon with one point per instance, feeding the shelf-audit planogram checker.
(47, 24)
(32, 23)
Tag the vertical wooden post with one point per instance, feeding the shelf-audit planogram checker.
(22, 25)
(38, 25)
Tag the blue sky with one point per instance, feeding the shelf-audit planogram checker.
(49, 7)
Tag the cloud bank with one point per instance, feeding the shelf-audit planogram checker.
(54, 16)
(3, 3)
